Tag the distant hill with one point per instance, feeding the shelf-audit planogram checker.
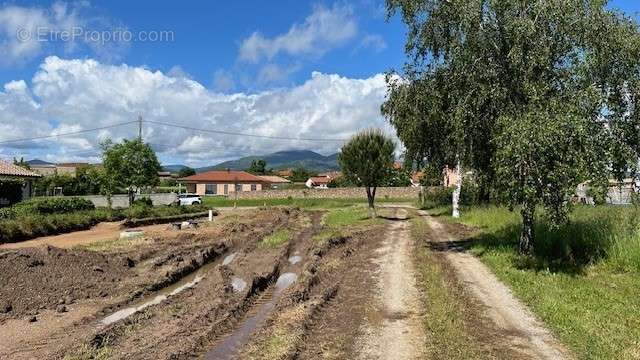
(173, 168)
(281, 160)
(39, 162)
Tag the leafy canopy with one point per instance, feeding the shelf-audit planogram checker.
(367, 158)
(131, 164)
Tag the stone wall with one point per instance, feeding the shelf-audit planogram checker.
(122, 201)
(332, 193)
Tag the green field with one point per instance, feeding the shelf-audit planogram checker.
(298, 202)
(584, 279)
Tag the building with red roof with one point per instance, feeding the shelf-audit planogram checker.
(223, 182)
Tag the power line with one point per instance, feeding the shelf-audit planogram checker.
(242, 134)
(66, 134)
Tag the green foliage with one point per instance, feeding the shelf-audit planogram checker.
(366, 160)
(87, 181)
(340, 182)
(131, 164)
(300, 174)
(186, 171)
(535, 97)
(397, 177)
(587, 270)
(258, 167)
(49, 205)
(11, 190)
(21, 163)
(143, 201)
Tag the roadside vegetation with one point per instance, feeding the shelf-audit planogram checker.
(335, 220)
(48, 216)
(448, 335)
(306, 203)
(582, 279)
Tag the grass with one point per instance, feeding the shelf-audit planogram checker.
(448, 336)
(307, 203)
(583, 280)
(277, 238)
(335, 220)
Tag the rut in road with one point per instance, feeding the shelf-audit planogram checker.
(394, 330)
(522, 330)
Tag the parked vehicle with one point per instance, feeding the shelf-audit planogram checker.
(189, 199)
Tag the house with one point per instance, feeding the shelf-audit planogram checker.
(165, 175)
(331, 174)
(43, 168)
(49, 169)
(223, 182)
(318, 182)
(275, 181)
(10, 194)
(69, 168)
(285, 173)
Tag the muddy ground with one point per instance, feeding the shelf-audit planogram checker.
(219, 292)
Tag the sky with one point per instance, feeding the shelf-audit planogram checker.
(287, 70)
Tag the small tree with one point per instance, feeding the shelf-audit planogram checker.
(131, 164)
(186, 171)
(258, 167)
(366, 160)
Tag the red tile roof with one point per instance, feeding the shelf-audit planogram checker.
(223, 176)
(8, 169)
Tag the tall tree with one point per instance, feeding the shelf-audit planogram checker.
(539, 96)
(366, 160)
(131, 164)
(258, 167)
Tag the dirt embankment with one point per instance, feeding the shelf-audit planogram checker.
(53, 299)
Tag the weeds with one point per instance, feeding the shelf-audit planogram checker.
(277, 238)
(583, 280)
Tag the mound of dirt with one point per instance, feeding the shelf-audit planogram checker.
(38, 278)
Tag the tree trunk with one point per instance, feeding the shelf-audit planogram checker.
(370, 199)
(455, 199)
(131, 196)
(527, 237)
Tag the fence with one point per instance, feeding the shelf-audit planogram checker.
(122, 201)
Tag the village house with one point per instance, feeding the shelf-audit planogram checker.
(276, 182)
(10, 194)
(223, 182)
(318, 182)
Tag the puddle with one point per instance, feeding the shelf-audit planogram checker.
(185, 283)
(228, 259)
(238, 284)
(295, 259)
(228, 348)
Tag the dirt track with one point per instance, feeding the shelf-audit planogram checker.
(520, 328)
(396, 331)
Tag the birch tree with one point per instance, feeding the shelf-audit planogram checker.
(540, 95)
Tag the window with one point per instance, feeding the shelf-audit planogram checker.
(211, 189)
(226, 189)
(238, 187)
(254, 187)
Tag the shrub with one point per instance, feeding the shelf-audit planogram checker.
(49, 205)
(144, 201)
(436, 196)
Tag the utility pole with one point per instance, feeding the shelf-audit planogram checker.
(140, 127)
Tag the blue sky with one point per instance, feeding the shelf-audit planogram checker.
(297, 69)
(208, 36)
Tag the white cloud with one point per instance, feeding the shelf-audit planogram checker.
(223, 80)
(321, 31)
(22, 29)
(374, 42)
(273, 73)
(84, 94)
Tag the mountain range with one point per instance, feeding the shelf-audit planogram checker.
(307, 159)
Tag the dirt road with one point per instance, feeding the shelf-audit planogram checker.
(395, 330)
(525, 334)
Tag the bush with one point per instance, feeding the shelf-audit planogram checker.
(50, 205)
(144, 201)
(436, 196)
